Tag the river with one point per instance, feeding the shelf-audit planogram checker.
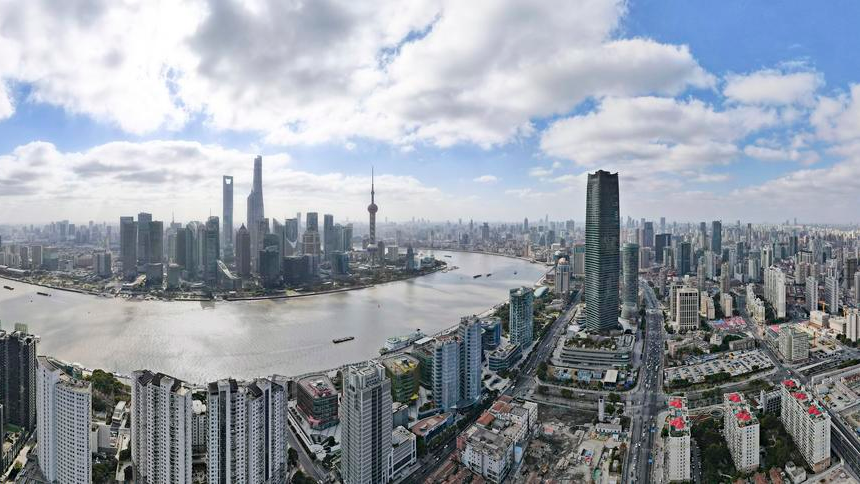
(201, 342)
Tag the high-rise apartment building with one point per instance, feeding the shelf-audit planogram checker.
(630, 289)
(793, 344)
(446, 372)
(741, 431)
(602, 246)
(469, 334)
(562, 277)
(247, 431)
(160, 428)
(227, 218)
(63, 421)
(831, 293)
(18, 378)
(852, 324)
(808, 423)
(774, 290)
(256, 212)
(811, 290)
(678, 440)
(366, 428)
(521, 317)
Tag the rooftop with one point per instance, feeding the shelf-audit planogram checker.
(318, 385)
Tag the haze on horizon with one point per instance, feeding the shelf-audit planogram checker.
(492, 110)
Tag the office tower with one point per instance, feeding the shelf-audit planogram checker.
(630, 291)
(485, 233)
(291, 237)
(793, 344)
(193, 231)
(602, 244)
(367, 424)
(160, 428)
(521, 316)
(227, 217)
(18, 378)
(811, 293)
(63, 421)
(662, 224)
(210, 253)
(741, 431)
(328, 235)
(562, 277)
(469, 333)
(256, 211)
(247, 432)
(270, 266)
(831, 293)
(683, 258)
(578, 260)
(848, 270)
(371, 210)
(774, 290)
(808, 423)
(857, 288)
(716, 237)
(686, 309)
(648, 234)
(311, 222)
(36, 257)
(661, 241)
(128, 246)
(278, 236)
(347, 238)
(102, 263)
(156, 242)
(143, 240)
(678, 440)
(243, 252)
(446, 372)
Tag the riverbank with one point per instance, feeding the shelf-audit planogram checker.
(483, 252)
(219, 297)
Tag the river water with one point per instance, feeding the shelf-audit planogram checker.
(200, 342)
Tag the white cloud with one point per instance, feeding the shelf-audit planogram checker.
(38, 181)
(773, 87)
(429, 71)
(837, 118)
(650, 134)
(7, 107)
(486, 179)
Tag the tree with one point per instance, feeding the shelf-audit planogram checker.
(566, 393)
(614, 398)
(292, 457)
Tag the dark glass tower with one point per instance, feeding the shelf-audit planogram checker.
(227, 218)
(602, 251)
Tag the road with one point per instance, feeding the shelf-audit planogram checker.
(647, 399)
(308, 466)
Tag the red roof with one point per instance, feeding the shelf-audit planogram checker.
(677, 423)
(677, 403)
(743, 416)
(734, 397)
(799, 395)
(486, 419)
(813, 410)
(789, 383)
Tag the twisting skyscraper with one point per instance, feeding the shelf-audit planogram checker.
(372, 209)
(602, 238)
(256, 212)
(227, 219)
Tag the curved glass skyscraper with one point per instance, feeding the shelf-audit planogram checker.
(602, 257)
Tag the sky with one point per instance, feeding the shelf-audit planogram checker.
(488, 109)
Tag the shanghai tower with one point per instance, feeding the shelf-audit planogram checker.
(602, 239)
(255, 212)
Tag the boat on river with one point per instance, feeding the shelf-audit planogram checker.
(343, 340)
(9, 288)
(43, 293)
(476, 276)
(397, 343)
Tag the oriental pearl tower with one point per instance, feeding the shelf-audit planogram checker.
(372, 209)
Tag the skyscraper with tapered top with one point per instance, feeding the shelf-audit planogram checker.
(227, 218)
(602, 239)
(256, 212)
(372, 209)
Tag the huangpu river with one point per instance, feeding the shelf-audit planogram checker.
(201, 342)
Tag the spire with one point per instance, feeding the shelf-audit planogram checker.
(371, 185)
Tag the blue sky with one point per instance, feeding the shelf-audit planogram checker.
(488, 110)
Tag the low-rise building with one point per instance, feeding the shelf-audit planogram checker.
(741, 431)
(808, 423)
(403, 451)
(316, 398)
(596, 352)
(504, 357)
(427, 428)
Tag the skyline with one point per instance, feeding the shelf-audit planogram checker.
(704, 111)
